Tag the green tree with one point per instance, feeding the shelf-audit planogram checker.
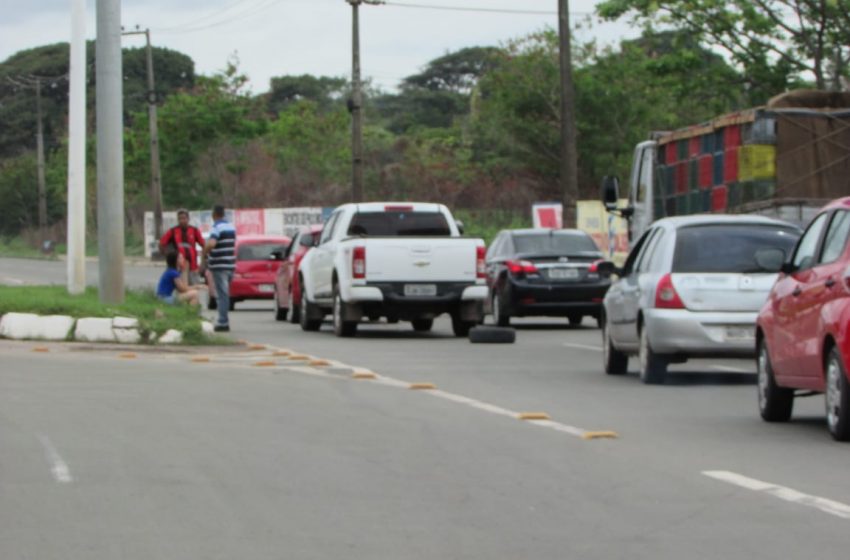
(323, 90)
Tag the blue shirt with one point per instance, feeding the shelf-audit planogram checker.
(166, 282)
(223, 255)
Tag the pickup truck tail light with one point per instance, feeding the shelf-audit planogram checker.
(666, 296)
(521, 268)
(358, 263)
(480, 265)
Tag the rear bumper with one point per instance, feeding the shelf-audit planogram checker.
(389, 299)
(696, 334)
(250, 289)
(557, 299)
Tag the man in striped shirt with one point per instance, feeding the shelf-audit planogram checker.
(220, 258)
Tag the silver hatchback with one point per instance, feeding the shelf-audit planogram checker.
(692, 287)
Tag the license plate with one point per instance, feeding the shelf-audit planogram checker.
(563, 273)
(420, 289)
(740, 333)
(267, 288)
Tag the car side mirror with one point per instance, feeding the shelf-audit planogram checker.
(608, 269)
(787, 268)
(610, 191)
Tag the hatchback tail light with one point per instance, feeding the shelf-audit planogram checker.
(521, 268)
(594, 266)
(358, 263)
(480, 264)
(666, 296)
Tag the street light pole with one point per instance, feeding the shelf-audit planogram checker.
(76, 241)
(569, 138)
(110, 153)
(42, 187)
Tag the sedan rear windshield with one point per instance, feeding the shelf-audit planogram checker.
(554, 244)
(399, 223)
(728, 248)
(258, 251)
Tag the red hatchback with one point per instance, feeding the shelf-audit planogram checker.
(256, 269)
(287, 289)
(803, 336)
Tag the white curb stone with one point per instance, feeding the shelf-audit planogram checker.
(125, 323)
(126, 330)
(20, 326)
(171, 336)
(207, 327)
(94, 330)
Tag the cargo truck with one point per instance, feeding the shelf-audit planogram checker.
(783, 160)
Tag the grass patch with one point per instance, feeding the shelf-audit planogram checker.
(16, 247)
(153, 315)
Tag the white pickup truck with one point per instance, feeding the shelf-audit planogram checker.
(401, 261)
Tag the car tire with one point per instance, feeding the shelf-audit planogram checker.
(653, 367)
(775, 403)
(295, 310)
(575, 320)
(212, 304)
(342, 328)
(461, 328)
(308, 324)
(492, 335)
(422, 325)
(837, 397)
(615, 362)
(501, 316)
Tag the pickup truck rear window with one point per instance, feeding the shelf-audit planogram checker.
(728, 248)
(399, 223)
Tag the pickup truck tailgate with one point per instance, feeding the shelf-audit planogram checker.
(420, 260)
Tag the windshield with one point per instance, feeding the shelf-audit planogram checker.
(729, 248)
(399, 223)
(554, 244)
(258, 251)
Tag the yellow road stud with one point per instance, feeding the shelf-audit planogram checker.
(200, 359)
(256, 347)
(320, 363)
(128, 356)
(281, 353)
(600, 435)
(299, 357)
(363, 375)
(41, 349)
(265, 363)
(422, 386)
(533, 416)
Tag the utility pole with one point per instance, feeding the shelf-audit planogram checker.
(569, 138)
(110, 153)
(76, 238)
(356, 103)
(42, 188)
(156, 173)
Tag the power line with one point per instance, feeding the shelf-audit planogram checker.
(477, 10)
(202, 19)
(260, 6)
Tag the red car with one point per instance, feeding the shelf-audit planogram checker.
(803, 332)
(287, 291)
(255, 272)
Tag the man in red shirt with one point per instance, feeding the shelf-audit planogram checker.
(184, 240)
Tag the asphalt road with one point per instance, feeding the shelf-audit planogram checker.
(159, 457)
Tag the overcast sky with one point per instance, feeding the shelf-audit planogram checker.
(277, 37)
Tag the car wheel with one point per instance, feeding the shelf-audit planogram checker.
(460, 327)
(295, 307)
(342, 328)
(422, 325)
(575, 320)
(308, 324)
(775, 402)
(280, 312)
(492, 335)
(212, 304)
(837, 398)
(500, 314)
(615, 362)
(653, 367)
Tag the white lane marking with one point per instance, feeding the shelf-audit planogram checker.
(732, 369)
(58, 467)
(825, 505)
(582, 346)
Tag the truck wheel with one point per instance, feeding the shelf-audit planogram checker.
(295, 316)
(342, 328)
(500, 313)
(837, 398)
(308, 324)
(492, 335)
(422, 325)
(460, 327)
(775, 402)
(653, 367)
(615, 362)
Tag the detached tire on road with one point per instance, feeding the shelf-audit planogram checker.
(492, 335)
(837, 397)
(775, 403)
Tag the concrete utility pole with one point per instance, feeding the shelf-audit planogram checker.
(42, 187)
(569, 138)
(156, 173)
(110, 152)
(76, 239)
(356, 104)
